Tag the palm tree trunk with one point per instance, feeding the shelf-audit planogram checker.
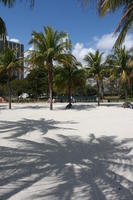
(69, 89)
(98, 93)
(50, 83)
(69, 94)
(9, 93)
(125, 90)
(102, 90)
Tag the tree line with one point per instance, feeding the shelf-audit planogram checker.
(53, 55)
(53, 67)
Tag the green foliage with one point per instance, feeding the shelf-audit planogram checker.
(50, 46)
(90, 90)
(9, 62)
(126, 21)
(18, 87)
(3, 77)
(9, 3)
(96, 70)
(120, 68)
(95, 66)
(69, 78)
(37, 82)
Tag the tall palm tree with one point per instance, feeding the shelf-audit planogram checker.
(119, 63)
(126, 21)
(3, 30)
(69, 76)
(10, 64)
(95, 69)
(50, 46)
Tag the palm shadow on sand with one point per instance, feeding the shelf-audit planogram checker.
(72, 168)
(78, 107)
(89, 106)
(15, 129)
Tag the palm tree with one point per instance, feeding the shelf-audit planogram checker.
(69, 76)
(10, 64)
(120, 67)
(3, 30)
(95, 69)
(50, 46)
(126, 21)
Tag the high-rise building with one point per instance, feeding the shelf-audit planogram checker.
(20, 54)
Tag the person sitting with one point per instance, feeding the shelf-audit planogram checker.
(69, 106)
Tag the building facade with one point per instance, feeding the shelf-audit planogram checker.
(20, 54)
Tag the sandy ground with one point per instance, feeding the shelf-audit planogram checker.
(81, 154)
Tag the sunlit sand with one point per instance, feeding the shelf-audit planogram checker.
(82, 153)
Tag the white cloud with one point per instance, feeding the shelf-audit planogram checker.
(13, 39)
(79, 51)
(128, 41)
(31, 48)
(107, 41)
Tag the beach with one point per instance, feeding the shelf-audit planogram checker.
(82, 153)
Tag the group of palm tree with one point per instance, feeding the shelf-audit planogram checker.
(10, 64)
(117, 66)
(53, 52)
(50, 47)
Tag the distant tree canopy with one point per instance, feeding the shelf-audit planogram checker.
(37, 82)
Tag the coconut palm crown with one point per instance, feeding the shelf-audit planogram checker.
(69, 76)
(126, 21)
(10, 64)
(95, 69)
(121, 69)
(3, 29)
(49, 47)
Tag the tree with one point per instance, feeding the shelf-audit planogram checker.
(126, 21)
(3, 30)
(10, 64)
(120, 68)
(50, 46)
(95, 69)
(69, 76)
(37, 82)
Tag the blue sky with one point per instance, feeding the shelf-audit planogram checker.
(84, 25)
(65, 15)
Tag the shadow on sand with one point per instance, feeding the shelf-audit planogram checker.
(78, 107)
(89, 106)
(13, 129)
(16, 106)
(3, 106)
(65, 169)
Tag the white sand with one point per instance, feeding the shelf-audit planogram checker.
(85, 153)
